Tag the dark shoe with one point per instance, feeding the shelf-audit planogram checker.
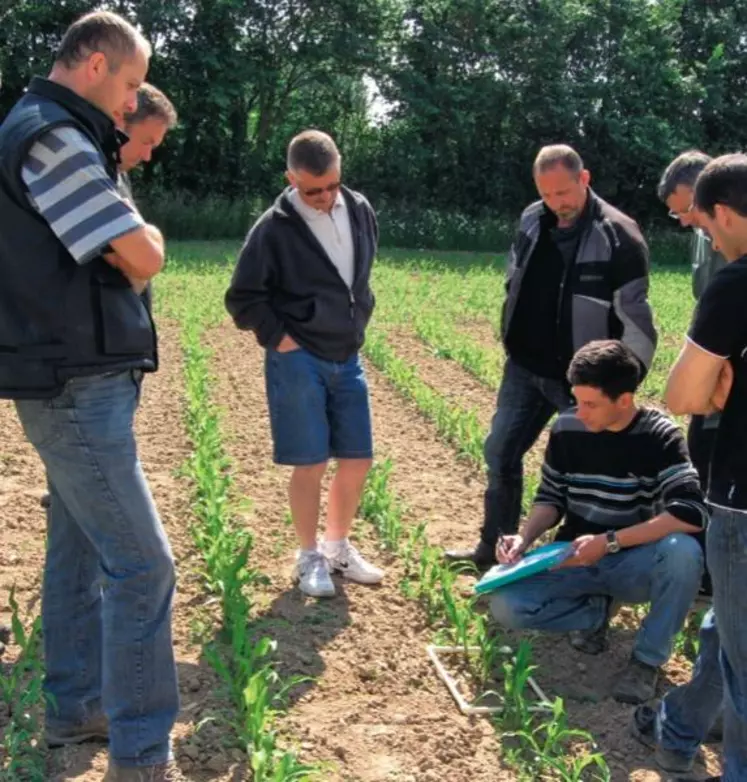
(96, 729)
(637, 683)
(594, 641)
(643, 728)
(482, 556)
(590, 641)
(164, 772)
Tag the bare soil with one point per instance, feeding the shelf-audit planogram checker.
(372, 708)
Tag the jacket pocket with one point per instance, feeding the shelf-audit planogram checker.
(126, 327)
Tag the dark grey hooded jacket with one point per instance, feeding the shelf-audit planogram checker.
(607, 283)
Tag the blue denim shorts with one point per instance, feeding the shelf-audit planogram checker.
(318, 409)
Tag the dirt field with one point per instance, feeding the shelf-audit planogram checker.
(372, 709)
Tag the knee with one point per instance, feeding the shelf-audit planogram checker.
(309, 473)
(497, 459)
(358, 468)
(163, 570)
(681, 556)
(504, 609)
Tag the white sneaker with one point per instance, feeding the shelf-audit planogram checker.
(312, 574)
(343, 557)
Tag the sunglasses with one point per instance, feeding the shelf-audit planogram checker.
(315, 191)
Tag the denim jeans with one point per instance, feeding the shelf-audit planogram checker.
(720, 674)
(665, 573)
(109, 574)
(525, 404)
(318, 408)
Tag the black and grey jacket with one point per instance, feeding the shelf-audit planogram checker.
(607, 283)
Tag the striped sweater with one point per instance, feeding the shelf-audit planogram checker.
(611, 480)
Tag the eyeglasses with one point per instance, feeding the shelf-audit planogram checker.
(678, 215)
(315, 191)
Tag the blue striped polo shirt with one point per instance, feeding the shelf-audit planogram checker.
(69, 186)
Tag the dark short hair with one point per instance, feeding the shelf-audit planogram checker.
(312, 151)
(723, 181)
(683, 170)
(151, 102)
(100, 31)
(558, 155)
(606, 364)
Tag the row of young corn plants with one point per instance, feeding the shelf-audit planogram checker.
(243, 662)
(460, 428)
(22, 697)
(537, 744)
(447, 342)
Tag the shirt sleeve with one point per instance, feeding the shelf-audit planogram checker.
(70, 188)
(679, 489)
(720, 321)
(553, 489)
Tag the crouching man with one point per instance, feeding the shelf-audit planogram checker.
(620, 478)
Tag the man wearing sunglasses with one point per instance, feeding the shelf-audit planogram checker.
(302, 286)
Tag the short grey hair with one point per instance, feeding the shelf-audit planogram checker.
(312, 151)
(558, 155)
(101, 31)
(151, 102)
(683, 170)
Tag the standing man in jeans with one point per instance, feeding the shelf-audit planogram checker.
(302, 286)
(578, 271)
(146, 128)
(711, 374)
(76, 340)
(676, 191)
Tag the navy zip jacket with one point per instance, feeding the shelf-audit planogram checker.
(285, 283)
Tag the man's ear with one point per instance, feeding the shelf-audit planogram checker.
(585, 177)
(291, 178)
(626, 399)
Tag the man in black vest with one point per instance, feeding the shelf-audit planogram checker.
(75, 339)
(146, 128)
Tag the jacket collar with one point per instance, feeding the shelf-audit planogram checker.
(591, 210)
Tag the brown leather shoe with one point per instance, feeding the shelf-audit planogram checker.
(95, 729)
(163, 772)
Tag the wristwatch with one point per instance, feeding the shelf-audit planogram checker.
(613, 545)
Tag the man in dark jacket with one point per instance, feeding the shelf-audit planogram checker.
(302, 286)
(578, 271)
(676, 191)
(72, 360)
(146, 128)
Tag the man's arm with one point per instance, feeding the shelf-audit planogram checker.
(678, 490)
(694, 380)
(550, 504)
(630, 295)
(248, 296)
(70, 188)
(700, 380)
(138, 255)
